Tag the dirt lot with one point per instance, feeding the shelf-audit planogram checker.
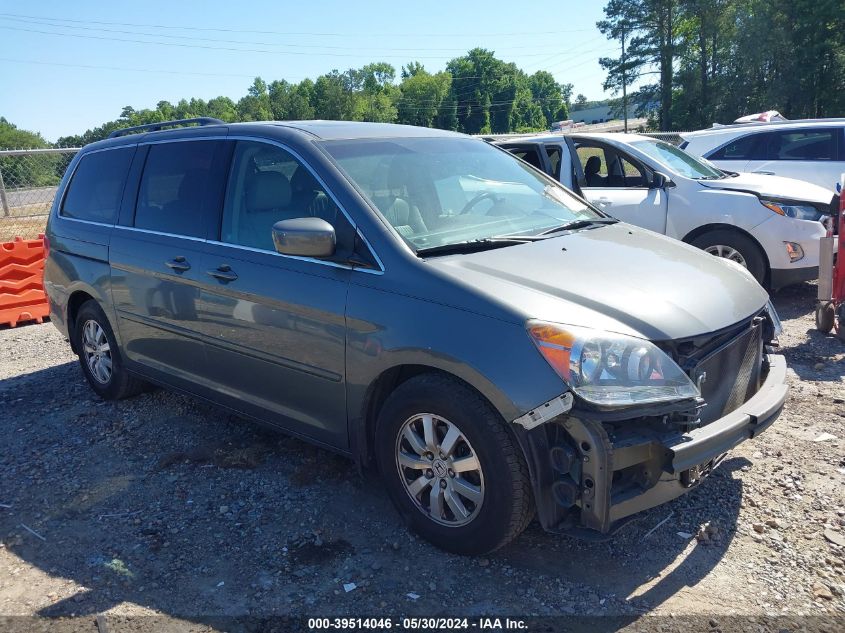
(162, 505)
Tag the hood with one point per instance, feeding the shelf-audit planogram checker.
(776, 187)
(616, 277)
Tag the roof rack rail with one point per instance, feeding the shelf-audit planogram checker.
(154, 127)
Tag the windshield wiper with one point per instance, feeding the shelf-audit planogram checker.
(473, 246)
(583, 223)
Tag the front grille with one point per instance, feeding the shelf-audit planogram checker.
(730, 375)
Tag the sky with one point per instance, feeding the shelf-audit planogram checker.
(68, 66)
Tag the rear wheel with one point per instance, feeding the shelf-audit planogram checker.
(736, 247)
(99, 355)
(450, 466)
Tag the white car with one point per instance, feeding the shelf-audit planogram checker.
(769, 225)
(809, 150)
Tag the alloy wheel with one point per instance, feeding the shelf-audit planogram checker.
(440, 469)
(728, 252)
(97, 352)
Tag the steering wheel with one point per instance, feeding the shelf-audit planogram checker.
(484, 195)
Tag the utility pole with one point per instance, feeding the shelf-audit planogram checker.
(624, 86)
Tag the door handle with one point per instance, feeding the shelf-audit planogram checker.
(179, 264)
(603, 202)
(223, 273)
(765, 173)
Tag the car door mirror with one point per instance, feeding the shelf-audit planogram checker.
(661, 181)
(304, 237)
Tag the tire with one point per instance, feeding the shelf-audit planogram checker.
(840, 322)
(825, 318)
(99, 355)
(482, 522)
(746, 248)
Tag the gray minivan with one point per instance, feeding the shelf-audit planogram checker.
(419, 300)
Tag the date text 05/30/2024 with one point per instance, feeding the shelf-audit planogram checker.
(412, 624)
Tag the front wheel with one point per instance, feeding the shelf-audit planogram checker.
(736, 247)
(450, 466)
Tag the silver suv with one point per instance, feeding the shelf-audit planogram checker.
(417, 300)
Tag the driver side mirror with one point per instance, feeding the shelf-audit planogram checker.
(661, 181)
(304, 237)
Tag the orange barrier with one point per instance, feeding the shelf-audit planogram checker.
(22, 295)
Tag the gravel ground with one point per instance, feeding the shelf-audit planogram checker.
(163, 505)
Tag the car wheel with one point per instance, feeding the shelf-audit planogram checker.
(735, 247)
(451, 467)
(825, 317)
(100, 357)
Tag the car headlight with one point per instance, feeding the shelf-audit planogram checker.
(797, 211)
(608, 369)
(773, 315)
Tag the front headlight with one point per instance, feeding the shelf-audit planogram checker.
(775, 318)
(797, 211)
(608, 369)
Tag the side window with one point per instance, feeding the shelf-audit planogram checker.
(530, 156)
(177, 188)
(96, 189)
(632, 176)
(811, 144)
(554, 159)
(266, 185)
(594, 165)
(739, 149)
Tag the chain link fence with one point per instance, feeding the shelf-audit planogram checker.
(28, 182)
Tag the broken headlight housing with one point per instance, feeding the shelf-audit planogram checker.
(608, 369)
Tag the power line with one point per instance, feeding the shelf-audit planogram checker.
(121, 69)
(304, 33)
(53, 24)
(216, 48)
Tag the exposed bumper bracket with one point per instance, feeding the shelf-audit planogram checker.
(545, 412)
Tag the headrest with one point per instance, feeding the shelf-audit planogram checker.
(267, 190)
(302, 180)
(593, 166)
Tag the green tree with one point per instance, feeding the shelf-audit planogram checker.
(650, 30)
(255, 106)
(550, 96)
(422, 96)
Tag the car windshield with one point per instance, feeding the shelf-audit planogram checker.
(441, 191)
(677, 160)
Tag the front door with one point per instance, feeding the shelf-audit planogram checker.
(618, 185)
(275, 325)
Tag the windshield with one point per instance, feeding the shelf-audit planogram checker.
(677, 160)
(441, 191)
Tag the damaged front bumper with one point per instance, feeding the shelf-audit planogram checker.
(591, 473)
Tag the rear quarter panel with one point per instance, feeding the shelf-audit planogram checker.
(77, 259)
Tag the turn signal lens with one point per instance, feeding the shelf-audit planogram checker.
(794, 251)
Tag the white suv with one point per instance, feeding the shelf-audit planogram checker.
(809, 150)
(767, 224)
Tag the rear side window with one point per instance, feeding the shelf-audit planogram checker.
(96, 189)
(738, 149)
(811, 144)
(179, 185)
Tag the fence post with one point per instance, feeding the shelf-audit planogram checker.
(3, 202)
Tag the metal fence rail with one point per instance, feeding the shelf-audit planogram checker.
(28, 182)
